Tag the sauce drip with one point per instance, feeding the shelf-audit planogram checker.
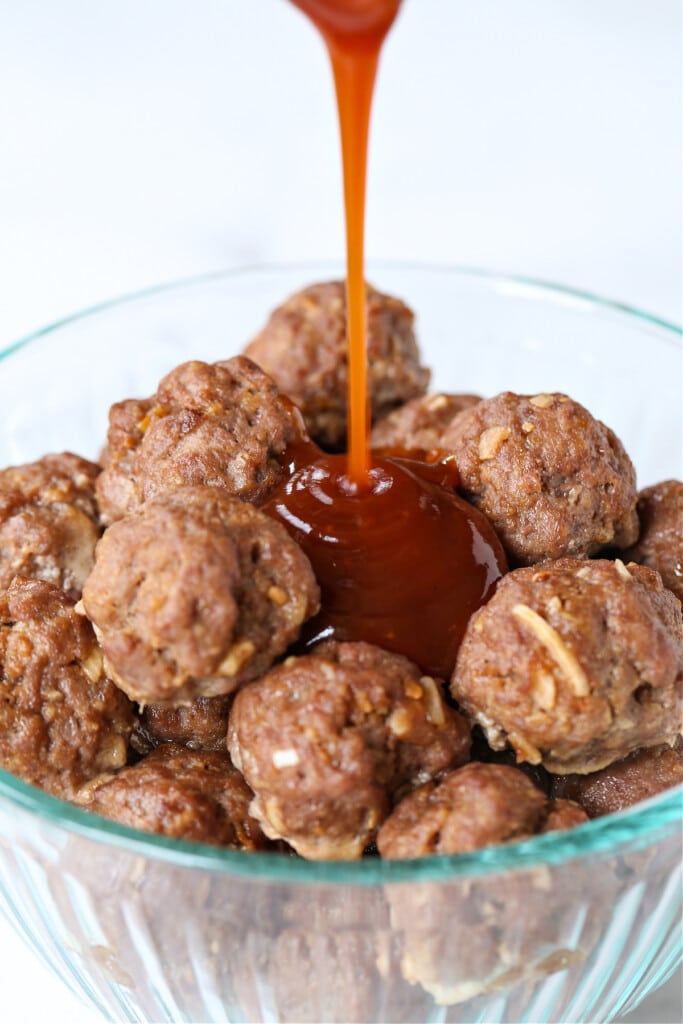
(402, 563)
(401, 560)
(354, 31)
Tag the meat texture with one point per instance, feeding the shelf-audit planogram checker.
(49, 521)
(222, 424)
(186, 794)
(660, 544)
(330, 740)
(639, 776)
(195, 594)
(553, 480)
(574, 663)
(303, 347)
(509, 926)
(475, 806)
(62, 721)
(419, 424)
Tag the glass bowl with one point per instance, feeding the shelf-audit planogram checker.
(576, 926)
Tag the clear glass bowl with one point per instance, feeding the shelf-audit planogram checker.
(577, 926)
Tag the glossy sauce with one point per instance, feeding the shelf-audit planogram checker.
(401, 560)
(402, 564)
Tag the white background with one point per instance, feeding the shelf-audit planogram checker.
(143, 140)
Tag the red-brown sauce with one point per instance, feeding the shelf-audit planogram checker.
(401, 564)
(354, 31)
(401, 560)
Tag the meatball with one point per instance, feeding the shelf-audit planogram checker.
(319, 975)
(117, 488)
(196, 593)
(471, 936)
(304, 348)
(660, 544)
(49, 522)
(177, 792)
(329, 740)
(574, 663)
(420, 423)
(552, 480)
(475, 806)
(202, 724)
(563, 814)
(641, 775)
(62, 721)
(456, 956)
(223, 424)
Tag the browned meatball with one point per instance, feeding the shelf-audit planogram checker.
(196, 593)
(552, 480)
(118, 486)
(333, 973)
(224, 424)
(303, 347)
(49, 522)
(574, 663)
(478, 805)
(202, 724)
(62, 721)
(562, 814)
(420, 423)
(177, 792)
(310, 972)
(327, 742)
(642, 774)
(455, 933)
(660, 544)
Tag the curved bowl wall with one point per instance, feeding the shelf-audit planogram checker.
(566, 927)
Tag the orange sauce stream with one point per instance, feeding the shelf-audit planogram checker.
(354, 31)
(402, 561)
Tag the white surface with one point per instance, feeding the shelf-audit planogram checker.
(144, 141)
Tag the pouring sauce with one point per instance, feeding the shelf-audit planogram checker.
(354, 31)
(401, 560)
(402, 563)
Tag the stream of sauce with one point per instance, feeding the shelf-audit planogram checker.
(354, 31)
(401, 560)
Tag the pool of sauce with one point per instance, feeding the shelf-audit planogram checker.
(402, 561)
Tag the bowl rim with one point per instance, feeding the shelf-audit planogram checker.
(551, 291)
(641, 825)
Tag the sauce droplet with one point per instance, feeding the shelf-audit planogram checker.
(402, 563)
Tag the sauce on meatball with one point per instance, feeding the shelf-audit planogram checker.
(402, 561)
(403, 564)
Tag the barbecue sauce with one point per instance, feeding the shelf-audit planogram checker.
(402, 563)
(354, 31)
(401, 560)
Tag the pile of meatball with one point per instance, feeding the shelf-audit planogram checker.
(149, 614)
